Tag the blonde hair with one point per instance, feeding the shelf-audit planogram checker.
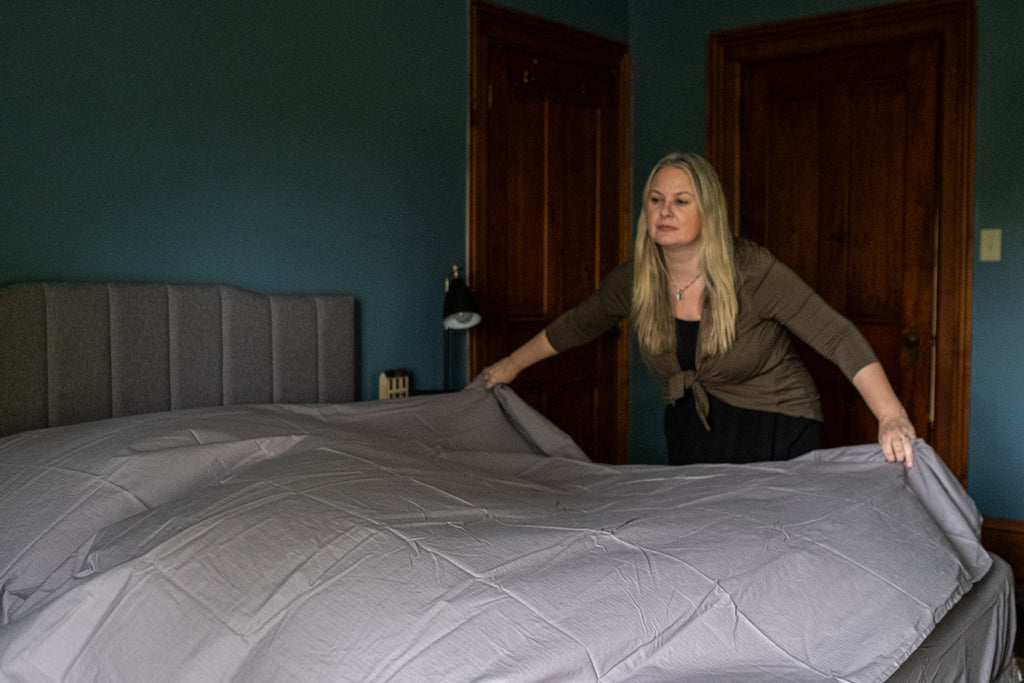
(652, 314)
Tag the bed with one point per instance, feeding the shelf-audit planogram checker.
(189, 493)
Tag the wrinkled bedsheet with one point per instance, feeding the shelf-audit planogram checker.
(453, 538)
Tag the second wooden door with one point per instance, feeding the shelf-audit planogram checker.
(848, 160)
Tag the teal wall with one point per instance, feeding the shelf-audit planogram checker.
(996, 475)
(318, 145)
(279, 146)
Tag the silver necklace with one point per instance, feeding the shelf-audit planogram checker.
(680, 292)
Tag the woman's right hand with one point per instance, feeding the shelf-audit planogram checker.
(509, 367)
(502, 372)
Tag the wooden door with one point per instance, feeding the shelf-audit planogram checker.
(549, 211)
(845, 135)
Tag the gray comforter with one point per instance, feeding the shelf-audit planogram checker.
(456, 538)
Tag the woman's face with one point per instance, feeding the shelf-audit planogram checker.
(673, 218)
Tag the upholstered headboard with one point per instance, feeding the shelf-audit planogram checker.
(73, 352)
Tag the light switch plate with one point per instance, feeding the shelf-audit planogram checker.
(991, 245)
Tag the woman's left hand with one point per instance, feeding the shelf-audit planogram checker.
(895, 434)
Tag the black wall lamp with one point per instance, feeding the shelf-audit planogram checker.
(460, 313)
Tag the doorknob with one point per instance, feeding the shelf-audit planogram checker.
(912, 341)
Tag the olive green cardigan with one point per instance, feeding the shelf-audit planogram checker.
(761, 371)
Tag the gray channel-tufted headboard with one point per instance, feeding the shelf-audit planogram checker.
(74, 352)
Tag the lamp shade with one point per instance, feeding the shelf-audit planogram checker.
(459, 307)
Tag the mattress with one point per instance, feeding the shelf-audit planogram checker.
(974, 642)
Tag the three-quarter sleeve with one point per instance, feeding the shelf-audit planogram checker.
(596, 314)
(786, 297)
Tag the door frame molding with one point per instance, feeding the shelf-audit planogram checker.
(954, 24)
(487, 23)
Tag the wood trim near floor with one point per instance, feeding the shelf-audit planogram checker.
(1005, 538)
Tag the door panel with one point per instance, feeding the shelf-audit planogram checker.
(828, 170)
(549, 189)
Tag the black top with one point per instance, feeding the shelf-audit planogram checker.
(737, 435)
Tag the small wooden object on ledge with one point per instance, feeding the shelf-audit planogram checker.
(394, 384)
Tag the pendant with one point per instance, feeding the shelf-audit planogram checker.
(680, 292)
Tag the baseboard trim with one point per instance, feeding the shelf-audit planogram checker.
(1005, 538)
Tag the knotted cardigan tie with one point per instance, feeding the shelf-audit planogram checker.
(686, 380)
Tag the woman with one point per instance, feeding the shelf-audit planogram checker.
(713, 315)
